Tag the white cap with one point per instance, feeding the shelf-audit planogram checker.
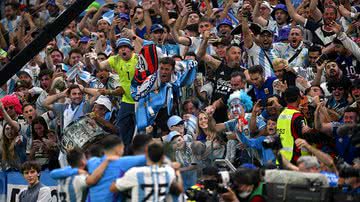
(103, 100)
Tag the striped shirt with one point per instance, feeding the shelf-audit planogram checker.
(11, 25)
(257, 56)
(148, 183)
(71, 189)
(285, 51)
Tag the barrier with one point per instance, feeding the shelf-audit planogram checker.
(12, 183)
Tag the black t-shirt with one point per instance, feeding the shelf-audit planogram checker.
(222, 89)
(321, 36)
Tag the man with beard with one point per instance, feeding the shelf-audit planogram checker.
(323, 33)
(294, 51)
(142, 21)
(309, 72)
(332, 72)
(124, 64)
(223, 71)
(259, 54)
(72, 111)
(11, 20)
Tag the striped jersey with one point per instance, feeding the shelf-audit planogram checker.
(148, 183)
(259, 56)
(72, 189)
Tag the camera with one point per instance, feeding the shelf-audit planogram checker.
(348, 172)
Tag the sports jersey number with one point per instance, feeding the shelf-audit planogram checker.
(351, 70)
(149, 188)
(281, 131)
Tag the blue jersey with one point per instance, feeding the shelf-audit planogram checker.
(115, 169)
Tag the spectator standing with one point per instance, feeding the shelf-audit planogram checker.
(35, 191)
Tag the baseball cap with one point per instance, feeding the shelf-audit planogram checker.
(51, 3)
(124, 42)
(267, 4)
(174, 120)
(224, 22)
(103, 100)
(106, 19)
(279, 7)
(172, 135)
(25, 71)
(124, 16)
(156, 27)
(266, 29)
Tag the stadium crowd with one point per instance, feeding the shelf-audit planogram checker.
(150, 100)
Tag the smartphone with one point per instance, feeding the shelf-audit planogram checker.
(173, 14)
(321, 59)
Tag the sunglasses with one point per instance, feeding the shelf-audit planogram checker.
(179, 124)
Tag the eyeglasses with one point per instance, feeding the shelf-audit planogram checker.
(9, 108)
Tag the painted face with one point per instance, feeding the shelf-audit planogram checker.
(203, 121)
(236, 109)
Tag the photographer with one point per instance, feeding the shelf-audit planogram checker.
(206, 188)
(245, 186)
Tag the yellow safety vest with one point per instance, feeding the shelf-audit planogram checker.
(284, 130)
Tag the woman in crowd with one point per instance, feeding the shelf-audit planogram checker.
(13, 148)
(44, 143)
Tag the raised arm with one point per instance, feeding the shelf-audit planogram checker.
(201, 53)
(248, 39)
(348, 43)
(293, 14)
(51, 99)
(8, 119)
(257, 16)
(314, 11)
(322, 127)
(175, 30)
(323, 157)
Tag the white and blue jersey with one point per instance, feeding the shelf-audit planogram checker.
(285, 51)
(115, 169)
(72, 187)
(148, 183)
(259, 56)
